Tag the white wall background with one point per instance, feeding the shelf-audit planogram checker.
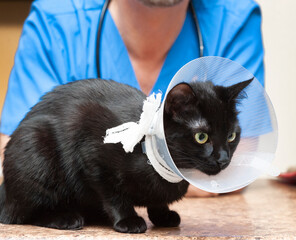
(279, 36)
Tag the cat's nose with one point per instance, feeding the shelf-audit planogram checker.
(223, 160)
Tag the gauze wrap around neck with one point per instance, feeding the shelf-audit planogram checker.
(130, 133)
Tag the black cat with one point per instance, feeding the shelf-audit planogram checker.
(58, 173)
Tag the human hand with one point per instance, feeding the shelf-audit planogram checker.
(3, 141)
(193, 192)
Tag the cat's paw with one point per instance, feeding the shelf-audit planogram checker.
(62, 221)
(165, 219)
(134, 224)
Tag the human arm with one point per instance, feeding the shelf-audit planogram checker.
(244, 43)
(34, 72)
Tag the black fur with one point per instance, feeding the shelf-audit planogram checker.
(59, 174)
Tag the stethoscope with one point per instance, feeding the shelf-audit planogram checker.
(101, 20)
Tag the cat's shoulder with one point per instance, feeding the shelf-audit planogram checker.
(97, 84)
(99, 89)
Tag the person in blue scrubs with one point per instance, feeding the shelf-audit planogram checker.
(143, 44)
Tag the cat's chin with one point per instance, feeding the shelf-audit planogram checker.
(212, 171)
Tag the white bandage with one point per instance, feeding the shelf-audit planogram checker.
(129, 134)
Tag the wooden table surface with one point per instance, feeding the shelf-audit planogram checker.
(265, 210)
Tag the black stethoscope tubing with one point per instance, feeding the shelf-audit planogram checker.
(101, 20)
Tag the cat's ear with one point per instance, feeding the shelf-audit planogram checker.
(179, 99)
(236, 92)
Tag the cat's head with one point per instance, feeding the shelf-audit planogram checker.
(201, 125)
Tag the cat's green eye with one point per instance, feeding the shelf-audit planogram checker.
(201, 138)
(232, 137)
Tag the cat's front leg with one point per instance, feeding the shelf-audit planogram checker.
(125, 219)
(67, 219)
(162, 216)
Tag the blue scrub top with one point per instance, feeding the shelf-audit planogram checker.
(58, 43)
